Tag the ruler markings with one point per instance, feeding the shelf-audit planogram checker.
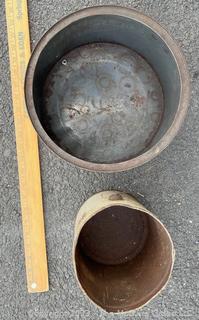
(27, 150)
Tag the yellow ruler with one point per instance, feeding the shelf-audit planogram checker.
(27, 150)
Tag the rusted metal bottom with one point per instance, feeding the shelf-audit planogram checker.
(114, 236)
(103, 103)
(122, 254)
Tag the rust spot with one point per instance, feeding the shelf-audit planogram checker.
(114, 197)
(72, 113)
(137, 100)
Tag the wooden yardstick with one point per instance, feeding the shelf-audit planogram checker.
(27, 150)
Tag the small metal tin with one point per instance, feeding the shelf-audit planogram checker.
(123, 255)
(107, 88)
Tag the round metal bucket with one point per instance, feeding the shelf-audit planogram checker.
(123, 255)
(107, 88)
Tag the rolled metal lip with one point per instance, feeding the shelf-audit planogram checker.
(184, 92)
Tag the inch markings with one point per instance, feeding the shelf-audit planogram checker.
(27, 150)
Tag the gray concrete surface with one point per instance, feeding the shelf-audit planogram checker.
(169, 185)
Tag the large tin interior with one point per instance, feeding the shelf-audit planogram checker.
(106, 88)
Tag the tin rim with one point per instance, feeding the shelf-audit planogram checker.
(184, 88)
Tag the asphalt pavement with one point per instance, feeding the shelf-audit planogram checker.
(167, 185)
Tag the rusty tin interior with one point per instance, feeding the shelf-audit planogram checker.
(107, 88)
(123, 255)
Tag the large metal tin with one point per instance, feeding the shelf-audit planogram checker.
(107, 88)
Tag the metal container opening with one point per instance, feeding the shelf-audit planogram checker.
(123, 255)
(104, 103)
(107, 88)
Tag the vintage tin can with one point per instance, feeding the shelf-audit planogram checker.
(107, 88)
(123, 255)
